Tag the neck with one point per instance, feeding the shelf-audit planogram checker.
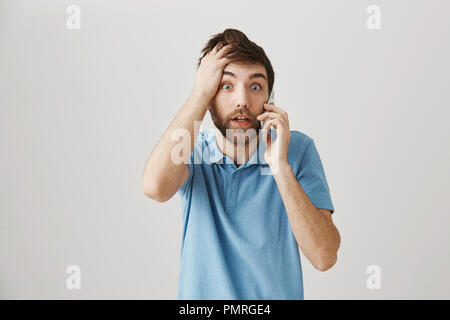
(240, 153)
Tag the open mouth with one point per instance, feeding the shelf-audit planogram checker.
(241, 121)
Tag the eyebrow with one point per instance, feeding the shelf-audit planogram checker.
(253, 76)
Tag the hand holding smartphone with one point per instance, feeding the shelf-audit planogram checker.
(270, 100)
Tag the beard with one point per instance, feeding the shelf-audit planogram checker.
(225, 124)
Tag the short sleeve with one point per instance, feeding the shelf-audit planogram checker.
(311, 177)
(187, 183)
(196, 150)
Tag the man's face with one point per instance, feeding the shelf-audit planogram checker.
(243, 91)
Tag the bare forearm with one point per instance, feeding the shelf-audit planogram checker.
(160, 170)
(316, 235)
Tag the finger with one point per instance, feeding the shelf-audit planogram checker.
(224, 51)
(271, 115)
(208, 55)
(270, 123)
(273, 108)
(217, 47)
(279, 125)
(283, 128)
(222, 46)
(265, 115)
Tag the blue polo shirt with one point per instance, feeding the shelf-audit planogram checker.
(237, 242)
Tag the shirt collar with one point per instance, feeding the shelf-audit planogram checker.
(216, 156)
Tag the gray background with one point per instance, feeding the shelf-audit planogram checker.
(82, 109)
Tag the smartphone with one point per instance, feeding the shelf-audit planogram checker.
(270, 100)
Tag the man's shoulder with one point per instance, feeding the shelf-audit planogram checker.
(298, 140)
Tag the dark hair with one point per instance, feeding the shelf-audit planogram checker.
(243, 50)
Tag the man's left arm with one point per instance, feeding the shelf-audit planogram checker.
(313, 228)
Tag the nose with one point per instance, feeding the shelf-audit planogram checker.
(241, 99)
(241, 107)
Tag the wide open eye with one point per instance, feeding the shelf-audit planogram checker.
(226, 84)
(256, 85)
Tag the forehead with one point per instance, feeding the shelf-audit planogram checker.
(245, 70)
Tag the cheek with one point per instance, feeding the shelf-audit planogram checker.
(221, 108)
(218, 113)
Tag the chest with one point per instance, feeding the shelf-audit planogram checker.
(244, 190)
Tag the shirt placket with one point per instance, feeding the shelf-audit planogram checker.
(233, 188)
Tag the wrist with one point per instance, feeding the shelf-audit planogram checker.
(283, 169)
(201, 93)
(200, 98)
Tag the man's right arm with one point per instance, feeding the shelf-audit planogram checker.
(162, 177)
